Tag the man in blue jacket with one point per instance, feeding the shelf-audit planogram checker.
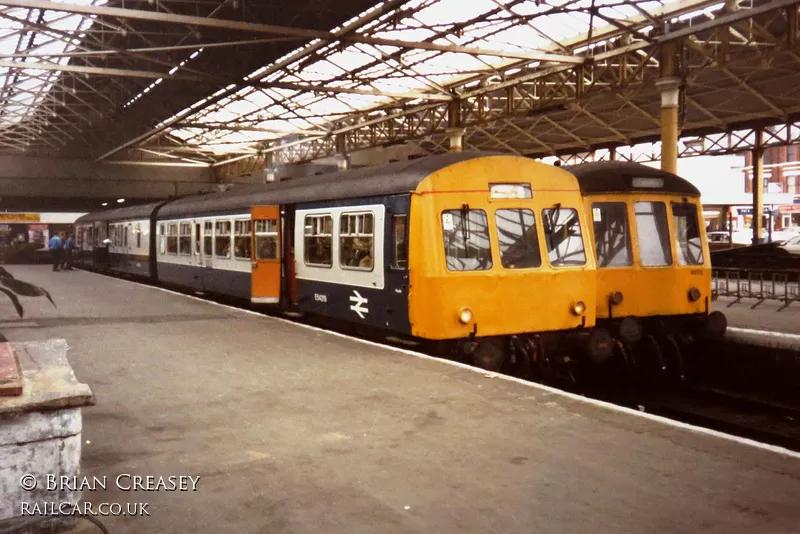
(57, 247)
(69, 246)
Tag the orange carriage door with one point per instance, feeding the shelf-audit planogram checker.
(266, 254)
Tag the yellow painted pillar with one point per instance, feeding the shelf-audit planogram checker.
(758, 188)
(670, 91)
(669, 86)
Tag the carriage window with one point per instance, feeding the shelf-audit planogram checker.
(208, 229)
(162, 236)
(562, 234)
(687, 234)
(612, 236)
(399, 243)
(318, 240)
(222, 239)
(127, 231)
(266, 239)
(185, 243)
(172, 238)
(466, 240)
(355, 241)
(652, 233)
(138, 235)
(516, 234)
(242, 239)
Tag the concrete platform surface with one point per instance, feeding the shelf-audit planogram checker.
(770, 315)
(294, 430)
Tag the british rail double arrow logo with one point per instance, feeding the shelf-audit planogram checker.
(359, 307)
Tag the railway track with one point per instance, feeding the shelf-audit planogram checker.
(732, 412)
(746, 415)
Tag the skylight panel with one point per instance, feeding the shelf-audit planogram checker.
(454, 11)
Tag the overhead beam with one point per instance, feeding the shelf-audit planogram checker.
(347, 90)
(42, 65)
(234, 25)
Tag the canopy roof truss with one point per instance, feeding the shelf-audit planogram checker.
(541, 78)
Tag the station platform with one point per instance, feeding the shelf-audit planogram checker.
(292, 429)
(769, 315)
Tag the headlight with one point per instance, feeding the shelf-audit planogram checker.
(465, 316)
(694, 294)
(578, 308)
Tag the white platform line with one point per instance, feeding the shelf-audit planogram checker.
(490, 374)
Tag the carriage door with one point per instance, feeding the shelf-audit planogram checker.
(266, 264)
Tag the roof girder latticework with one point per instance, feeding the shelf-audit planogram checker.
(546, 78)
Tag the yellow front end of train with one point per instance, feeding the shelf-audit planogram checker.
(664, 269)
(653, 260)
(497, 247)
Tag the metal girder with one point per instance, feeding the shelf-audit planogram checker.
(44, 65)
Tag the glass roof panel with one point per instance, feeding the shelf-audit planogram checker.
(502, 26)
(22, 42)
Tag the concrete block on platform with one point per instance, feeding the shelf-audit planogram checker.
(40, 430)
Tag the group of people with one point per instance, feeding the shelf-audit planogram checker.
(62, 246)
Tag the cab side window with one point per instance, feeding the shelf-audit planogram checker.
(466, 240)
(687, 234)
(562, 233)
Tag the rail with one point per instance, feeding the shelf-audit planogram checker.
(761, 284)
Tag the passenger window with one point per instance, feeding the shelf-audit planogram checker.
(466, 240)
(562, 234)
(127, 231)
(612, 238)
(243, 239)
(355, 241)
(516, 235)
(162, 236)
(318, 240)
(687, 234)
(399, 242)
(266, 239)
(222, 239)
(185, 243)
(208, 230)
(652, 233)
(172, 239)
(138, 235)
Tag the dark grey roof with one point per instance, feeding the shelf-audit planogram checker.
(141, 211)
(392, 178)
(616, 176)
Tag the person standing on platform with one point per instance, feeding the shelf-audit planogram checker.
(69, 246)
(57, 247)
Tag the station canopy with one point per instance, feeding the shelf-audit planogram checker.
(206, 83)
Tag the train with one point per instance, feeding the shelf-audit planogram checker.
(654, 288)
(485, 258)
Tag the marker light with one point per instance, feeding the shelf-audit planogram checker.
(578, 308)
(465, 316)
(120, 200)
(694, 294)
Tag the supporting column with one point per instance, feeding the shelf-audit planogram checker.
(758, 187)
(343, 160)
(456, 139)
(669, 87)
(454, 129)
